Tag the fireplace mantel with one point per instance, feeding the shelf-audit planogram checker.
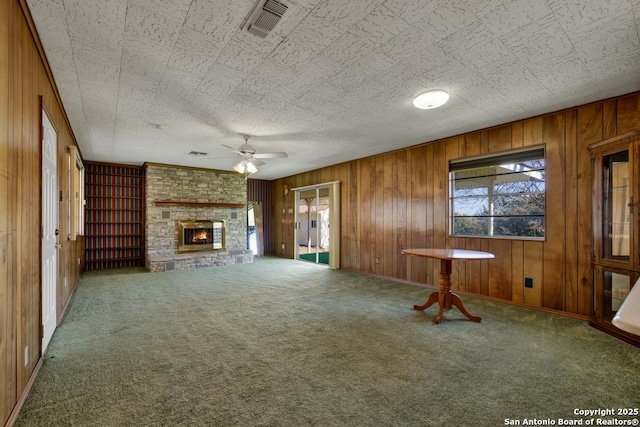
(199, 204)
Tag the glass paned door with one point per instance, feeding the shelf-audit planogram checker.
(312, 224)
(616, 221)
(616, 288)
(616, 212)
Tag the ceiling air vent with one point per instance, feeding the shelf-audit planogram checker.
(197, 153)
(270, 15)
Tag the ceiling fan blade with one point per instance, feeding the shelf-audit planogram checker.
(232, 149)
(279, 155)
(256, 162)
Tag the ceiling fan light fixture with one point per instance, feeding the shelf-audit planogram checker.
(245, 167)
(430, 99)
(250, 159)
(251, 168)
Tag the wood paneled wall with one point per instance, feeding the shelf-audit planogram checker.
(26, 88)
(399, 200)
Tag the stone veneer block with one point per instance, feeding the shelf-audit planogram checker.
(190, 261)
(175, 183)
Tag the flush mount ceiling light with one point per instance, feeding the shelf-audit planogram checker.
(431, 99)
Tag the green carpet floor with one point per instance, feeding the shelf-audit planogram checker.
(287, 343)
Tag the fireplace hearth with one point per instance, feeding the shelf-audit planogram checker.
(201, 235)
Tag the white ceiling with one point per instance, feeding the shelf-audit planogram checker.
(151, 80)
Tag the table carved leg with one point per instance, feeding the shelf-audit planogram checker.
(444, 296)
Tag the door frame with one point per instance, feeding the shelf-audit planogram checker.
(334, 220)
(258, 219)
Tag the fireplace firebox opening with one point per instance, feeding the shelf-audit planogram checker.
(201, 235)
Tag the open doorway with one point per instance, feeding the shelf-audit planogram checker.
(255, 231)
(317, 224)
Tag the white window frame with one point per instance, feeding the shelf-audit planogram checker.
(76, 194)
(506, 160)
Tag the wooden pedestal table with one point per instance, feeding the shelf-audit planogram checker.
(444, 296)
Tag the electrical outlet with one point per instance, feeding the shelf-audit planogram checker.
(283, 246)
(528, 282)
(377, 260)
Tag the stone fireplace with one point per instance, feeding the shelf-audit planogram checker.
(194, 218)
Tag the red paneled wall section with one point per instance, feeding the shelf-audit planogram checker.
(114, 220)
(259, 190)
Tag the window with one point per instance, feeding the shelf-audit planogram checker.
(76, 194)
(499, 196)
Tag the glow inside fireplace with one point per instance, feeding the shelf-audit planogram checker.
(201, 235)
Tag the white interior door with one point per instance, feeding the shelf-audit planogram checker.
(49, 230)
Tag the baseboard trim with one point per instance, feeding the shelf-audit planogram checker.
(576, 316)
(532, 307)
(13, 417)
(65, 309)
(616, 333)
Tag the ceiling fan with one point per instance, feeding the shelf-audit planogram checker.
(250, 159)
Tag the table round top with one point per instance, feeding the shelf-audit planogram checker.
(447, 253)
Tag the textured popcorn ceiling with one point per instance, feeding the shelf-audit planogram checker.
(151, 80)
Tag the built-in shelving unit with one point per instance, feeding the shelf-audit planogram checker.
(114, 220)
